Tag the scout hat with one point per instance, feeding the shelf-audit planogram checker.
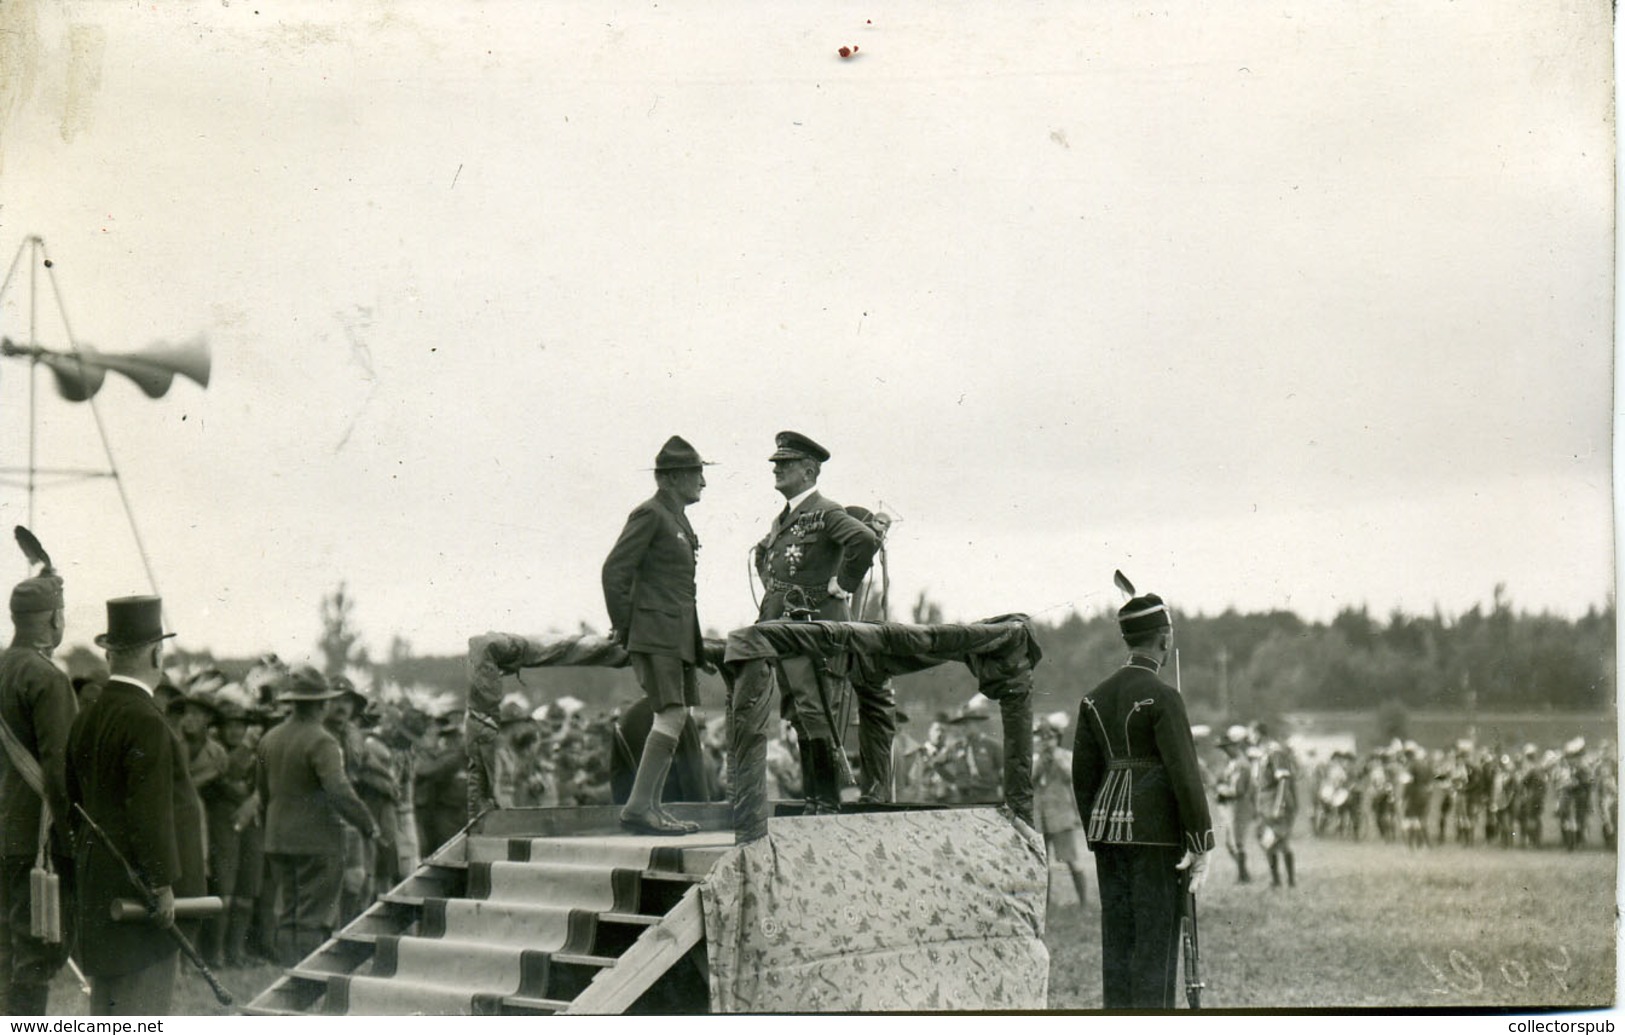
(792, 445)
(677, 455)
(1144, 614)
(304, 683)
(133, 622)
(345, 687)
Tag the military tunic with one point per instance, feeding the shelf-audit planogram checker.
(1139, 790)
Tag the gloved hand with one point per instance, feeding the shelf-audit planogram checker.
(835, 589)
(1197, 864)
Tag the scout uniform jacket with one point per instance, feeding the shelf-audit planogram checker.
(649, 582)
(800, 552)
(1134, 768)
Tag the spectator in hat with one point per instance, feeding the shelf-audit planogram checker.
(127, 770)
(236, 853)
(649, 592)
(1055, 811)
(812, 559)
(37, 708)
(342, 719)
(1139, 790)
(1234, 791)
(440, 793)
(306, 802)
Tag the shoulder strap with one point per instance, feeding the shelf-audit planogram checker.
(24, 762)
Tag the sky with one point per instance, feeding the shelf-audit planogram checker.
(1272, 306)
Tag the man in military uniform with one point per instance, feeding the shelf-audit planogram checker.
(37, 706)
(1139, 789)
(649, 592)
(811, 561)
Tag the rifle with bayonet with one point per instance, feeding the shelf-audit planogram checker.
(1191, 949)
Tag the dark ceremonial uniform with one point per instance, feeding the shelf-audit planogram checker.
(803, 549)
(37, 704)
(1139, 790)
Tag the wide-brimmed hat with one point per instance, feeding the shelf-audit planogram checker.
(304, 683)
(133, 622)
(678, 455)
(792, 445)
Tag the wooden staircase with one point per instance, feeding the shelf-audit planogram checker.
(529, 912)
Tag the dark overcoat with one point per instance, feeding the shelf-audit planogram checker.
(127, 769)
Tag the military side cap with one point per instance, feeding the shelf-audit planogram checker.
(304, 683)
(1144, 614)
(133, 622)
(792, 445)
(40, 593)
(677, 455)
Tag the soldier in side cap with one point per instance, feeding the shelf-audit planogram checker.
(1139, 789)
(649, 592)
(37, 706)
(811, 561)
(128, 770)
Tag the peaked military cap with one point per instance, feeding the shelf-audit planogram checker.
(677, 454)
(792, 445)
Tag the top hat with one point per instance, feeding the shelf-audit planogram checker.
(792, 445)
(38, 594)
(678, 455)
(133, 622)
(304, 683)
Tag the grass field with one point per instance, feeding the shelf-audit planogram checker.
(1369, 926)
(1374, 925)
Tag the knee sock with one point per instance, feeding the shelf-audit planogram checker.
(652, 769)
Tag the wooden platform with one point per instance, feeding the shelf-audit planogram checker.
(531, 911)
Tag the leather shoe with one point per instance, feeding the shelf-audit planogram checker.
(649, 823)
(687, 826)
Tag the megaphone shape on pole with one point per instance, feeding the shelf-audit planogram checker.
(79, 375)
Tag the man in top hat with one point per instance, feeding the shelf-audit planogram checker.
(811, 561)
(306, 800)
(649, 592)
(128, 770)
(1139, 789)
(37, 706)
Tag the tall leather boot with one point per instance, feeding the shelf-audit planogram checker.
(237, 923)
(1291, 871)
(825, 797)
(1275, 871)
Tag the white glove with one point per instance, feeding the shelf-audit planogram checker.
(835, 589)
(1197, 864)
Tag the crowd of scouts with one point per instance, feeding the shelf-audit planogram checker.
(1521, 797)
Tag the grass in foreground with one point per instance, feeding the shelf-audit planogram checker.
(1374, 925)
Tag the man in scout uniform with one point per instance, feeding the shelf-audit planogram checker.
(306, 801)
(811, 561)
(128, 770)
(1235, 793)
(37, 706)
(649, 592)
(1139, 789)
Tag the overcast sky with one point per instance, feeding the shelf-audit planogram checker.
(1270, 305)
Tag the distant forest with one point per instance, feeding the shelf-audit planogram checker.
(1231, 666)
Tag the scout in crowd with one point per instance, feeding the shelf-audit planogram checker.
(1471, 794)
